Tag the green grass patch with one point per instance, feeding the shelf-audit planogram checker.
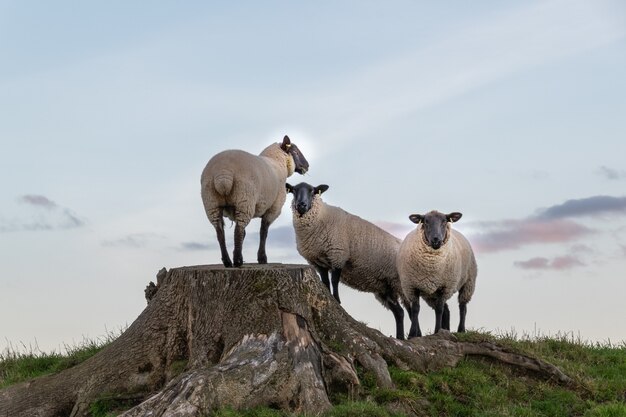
(474, 388)
(112, 406)
(18, 365)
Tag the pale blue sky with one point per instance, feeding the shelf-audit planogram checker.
(109, 112)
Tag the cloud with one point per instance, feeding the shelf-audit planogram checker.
(513, 234)
(610, 173)
(557, 263)
(582, 249)
(134, 240)
(487, 51)
(43, 214)
(548, 225)
(399, 230)
(195, 246)
(38, 200)
(590, 206)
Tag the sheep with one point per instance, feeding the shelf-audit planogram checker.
(242, 186)
(434, 262)
(357, 252)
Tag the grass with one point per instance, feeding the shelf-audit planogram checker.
(482, 388)
(475, 387)
(21, 364)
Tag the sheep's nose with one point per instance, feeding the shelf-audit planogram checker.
(436, 243)
(301, 207)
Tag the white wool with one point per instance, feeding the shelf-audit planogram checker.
(331, 238)
(449, 269)
(253, 185)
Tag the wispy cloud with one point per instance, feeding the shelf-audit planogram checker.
(581, 249)
(399, 230)
(133, 240)
(499, 46)
(191, 246)
(610, 173)
(43, 214)
(591, 206)
(557, 263)
(38, 201)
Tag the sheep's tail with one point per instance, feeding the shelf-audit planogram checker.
(223, 182)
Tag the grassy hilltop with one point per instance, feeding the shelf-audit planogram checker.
(474, 388)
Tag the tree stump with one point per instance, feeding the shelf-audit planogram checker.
(259, 335)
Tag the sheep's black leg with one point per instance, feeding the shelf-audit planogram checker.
(324, 275)
(463, 312)
(261, 256)
(240, 234)
(415, 331)
(221, 239)
(398, 314)
(439, 303)
(335, 275)
(445, 320)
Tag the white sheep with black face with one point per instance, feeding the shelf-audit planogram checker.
(434, 262)
(355, 251)
(243, 186)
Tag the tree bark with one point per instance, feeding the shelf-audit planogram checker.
(267, 335)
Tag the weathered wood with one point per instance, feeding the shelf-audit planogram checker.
(243, 337)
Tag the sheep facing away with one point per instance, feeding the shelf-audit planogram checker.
(355, 251)
(242, 186)
(434, 262)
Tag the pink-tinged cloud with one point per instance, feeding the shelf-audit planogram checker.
(399, 230)
(558, 263)
(513, 234)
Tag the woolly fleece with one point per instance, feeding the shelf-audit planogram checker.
(329, 237)
(247, 185)
(448, 269)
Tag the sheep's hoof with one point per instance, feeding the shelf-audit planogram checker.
(227, 263)
(415, 334)
(262, 259)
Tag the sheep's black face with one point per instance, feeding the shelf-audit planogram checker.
(303, 194)
(435, 226)
(300, 162)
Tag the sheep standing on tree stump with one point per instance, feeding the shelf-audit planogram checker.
(434, 262)
(242, 186)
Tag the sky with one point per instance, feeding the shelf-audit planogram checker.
(512, 113)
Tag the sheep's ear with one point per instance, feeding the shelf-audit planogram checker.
(454, 216)
(286, 144)
(320, 189)
(416, 218)
(289, 187)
